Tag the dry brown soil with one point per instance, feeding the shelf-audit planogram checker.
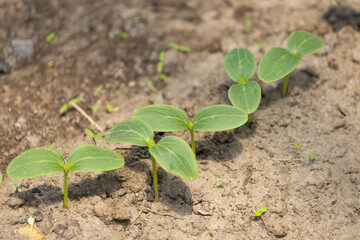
(306, 199)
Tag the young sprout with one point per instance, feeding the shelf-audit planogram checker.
(150, 85)
(240, 66)
(166, 118)
(260, 211)
(247, 26)
(297, 145)
(95, 108)
(109, 107)
(124, 35)
(42, 161)
(160, 64)
(211, 232)
(280, 62)
(50, 37)
(93, 135)
(98, 89)
(221, 182)
(172, 153)
(311, 155)
(180, 48)
(50, 64)
(261, 45)
(111, 35)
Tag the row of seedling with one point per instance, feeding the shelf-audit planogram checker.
(172, 153)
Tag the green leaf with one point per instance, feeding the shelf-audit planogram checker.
(50, 64)
(174, 45)
(163, 118)
(261, 211)
(297, 145)
(240, 65)
(162, 56)
(276, 64)
(50, 37)
(74, 100)
(247, 26)
(52, 145)
(245, 96)
(35, 162)
(261, 44)
(132, 131)
(98, 89)
(219, 118)
(185, 49)
(63, 108)
(109, 107)
(95, 108)
(159, 67)
(304, 43)
(111, 35)
(164, 77)
(150, 85)
(98, 137)
(89, 133)
(124, 35)
(174, 155)
(93, 158)
(311, 155)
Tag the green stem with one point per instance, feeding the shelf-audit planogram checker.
(192, 141)
(249, 119)
(286, 80)
(65, 189)
(155, 179)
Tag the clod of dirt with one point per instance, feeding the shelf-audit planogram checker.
(15, 202)
(339, 16)
(4, 67)
(38, 216)
(275, 225)
(23, 49)
(108, 212)
(204, 209)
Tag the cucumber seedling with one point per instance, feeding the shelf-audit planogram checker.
(260, 211)
(179, 49)
(311, 155)
(280, 62)
(240, 66)
(172, 153)
(167, 118)
(42, 161)
(160, 66)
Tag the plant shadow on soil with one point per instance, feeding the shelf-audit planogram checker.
(105, 183)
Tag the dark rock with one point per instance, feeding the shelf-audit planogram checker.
(4, 68)
(339, 16)
(36, 190)
(22, 49)
(14, 221)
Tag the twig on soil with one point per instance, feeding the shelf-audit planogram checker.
(87, 116)
(52, 229)
(158, 213)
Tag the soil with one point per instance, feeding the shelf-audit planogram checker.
(259, 165)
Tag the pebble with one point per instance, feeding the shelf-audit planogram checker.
(22, 49)
(4, 67)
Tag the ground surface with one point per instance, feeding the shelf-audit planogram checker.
(317, 199)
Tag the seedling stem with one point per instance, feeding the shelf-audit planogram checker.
(155, 179)
(249, 120)
(192, 141)
(65, 188)
(286, 80)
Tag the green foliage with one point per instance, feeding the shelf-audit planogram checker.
(95, 108)
(297, 145)
(221, 182)
(65, 107)
(245, 96)
(124, 35)
(159, 67)
(109, 108)
(174, 155)
(111, 35)
(260, 211)
(98, 89)
(240, 65)
(92, 135)
(52, 145)
(150, 85)
(261, 44)
(211, 232)
(279, 62)
(174, 45)
(162, 56)
(164, 77)
(163, 118)
(50, 64)
(247, 26)
(43, 161)
(50, 37)
(132, 131)
(180, 48)
(219, 118)
(311, 155)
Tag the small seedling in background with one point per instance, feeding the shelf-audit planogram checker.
(50, 64)
(167, 118)
(297, 145)
(180, 48)
(50, 37)
(66, 106)
(221, 182)
(38, 162)
(150, 85)
(240, 66)
(98, 89)
(124, 35)
(172, 153)
(260, 211)
(160, 64)
(247, 28)
(93, 136)
(111, 35)
(211, 232)
(311, 155)
(261, 45)
(95, 108)
(280, 62)
(164, 77)
(109, 108)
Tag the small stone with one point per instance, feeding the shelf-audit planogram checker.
(14, 221)
(4, 67)
(15, 202)
(23, 49)
(33, 141)
(20, 122)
